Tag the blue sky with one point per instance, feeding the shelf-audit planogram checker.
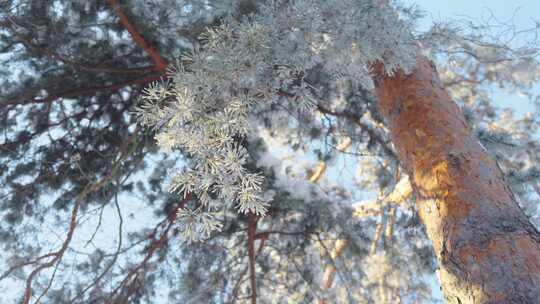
(522, 13)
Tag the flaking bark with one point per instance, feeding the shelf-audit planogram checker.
(487, 249)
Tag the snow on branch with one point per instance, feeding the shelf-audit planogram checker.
(204, 110)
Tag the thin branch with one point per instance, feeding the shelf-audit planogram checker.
(80, 91)
(234, 294)
(264, 234)
(356, 120)
(328, 277)
(389, 230)
(26, 41)
(34, 261)
(321, 168)
(378, 234)
(102, 69)
(115, 255)
(58, 255)
(154, 246)
(44, 292)
(160, 63)
(252, 230)
(97, 226)
(401, 193)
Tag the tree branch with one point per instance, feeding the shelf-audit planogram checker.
(58, 255)
(114, 257)
(402, 191)
(154, 246)
(252, 230)
(27, 42)
(81, 91)
(160, 63)
(356, 120)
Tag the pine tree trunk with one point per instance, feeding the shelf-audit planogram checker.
(487, 249)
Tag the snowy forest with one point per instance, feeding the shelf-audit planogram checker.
(267, 151)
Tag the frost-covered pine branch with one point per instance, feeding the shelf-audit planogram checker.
(204, 110)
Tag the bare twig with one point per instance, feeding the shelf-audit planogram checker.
(157, 243)
(114, 257)
(58, 255)
(50, 283)
(15, 267)
(100, 218)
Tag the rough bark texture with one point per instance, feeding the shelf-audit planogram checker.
(488, 251)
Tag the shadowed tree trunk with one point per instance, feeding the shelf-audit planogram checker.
(487, 249)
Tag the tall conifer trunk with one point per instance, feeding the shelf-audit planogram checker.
(487, 249)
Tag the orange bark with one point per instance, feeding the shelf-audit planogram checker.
(160, 63)
(487, 249)
(252, 231)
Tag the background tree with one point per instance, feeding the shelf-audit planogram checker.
(74, 160)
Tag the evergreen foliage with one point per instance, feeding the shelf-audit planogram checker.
(267, 135)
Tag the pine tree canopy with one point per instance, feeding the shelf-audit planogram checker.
(234, 151)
